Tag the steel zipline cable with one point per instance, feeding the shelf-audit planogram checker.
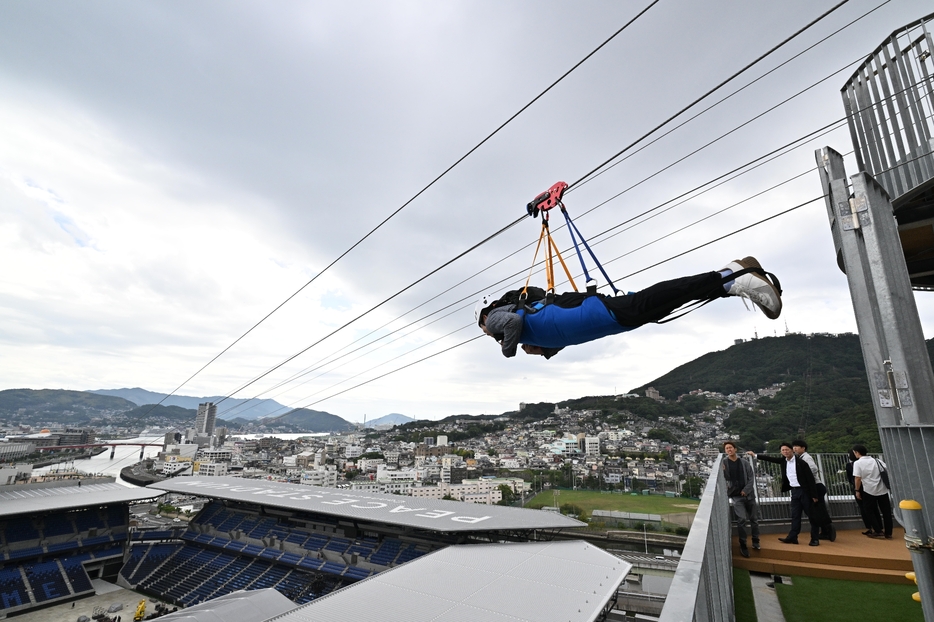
(581, 180)
(710, 185)
(292, 357)
(408, 202)
(707, 94)
(797, 176)
(465, 342)
(255, 379)
(737, 91)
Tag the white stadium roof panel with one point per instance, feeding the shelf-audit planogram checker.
(239, 606)
(21, 500)
(430, 514)
(536, 581)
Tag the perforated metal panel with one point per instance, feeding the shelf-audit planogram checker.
(541, 582)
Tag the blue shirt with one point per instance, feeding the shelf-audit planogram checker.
(555, 327)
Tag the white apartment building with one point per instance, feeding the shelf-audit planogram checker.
(321, 476)
(369, 464)
(590, 445)
(217, 455)
(460, 492)
(385, 474)
(353, 451)
(210, 469)
(484, 490)
(384, 487)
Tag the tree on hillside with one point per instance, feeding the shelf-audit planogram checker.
(693, 486)
(508, 495)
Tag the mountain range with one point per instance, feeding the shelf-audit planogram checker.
(825, 396)
(233, 407)
(387, 420)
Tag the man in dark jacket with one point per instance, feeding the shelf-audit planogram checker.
(797, 477)
(741, 488)
(821, 514)
(573, 318)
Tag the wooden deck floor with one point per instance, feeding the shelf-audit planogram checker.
(852, 556)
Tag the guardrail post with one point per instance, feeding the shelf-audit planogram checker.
(922, 556)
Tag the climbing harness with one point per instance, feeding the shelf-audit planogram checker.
(542, 204)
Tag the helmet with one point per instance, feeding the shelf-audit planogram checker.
(481, 306)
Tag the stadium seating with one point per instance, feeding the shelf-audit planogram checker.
(46, 581)
(12, 588)
(152, 558)
(57, 525)
(33, 551)
(226, 549)
(20, 530)
(137, 553)
(116, 517)
(85, 520)
(80, 582)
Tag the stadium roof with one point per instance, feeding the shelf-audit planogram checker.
(541, 582)
(239, 606)
(20, 500)
(430, 514)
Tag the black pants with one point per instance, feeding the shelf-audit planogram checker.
(820, 515)
(878, 512)
(656, 302)
(801, 502)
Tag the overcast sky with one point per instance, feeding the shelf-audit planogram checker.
(172, 171)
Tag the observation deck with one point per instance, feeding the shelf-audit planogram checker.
(889, 103)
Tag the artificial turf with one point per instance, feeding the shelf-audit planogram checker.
(589, 500)
(831, 600)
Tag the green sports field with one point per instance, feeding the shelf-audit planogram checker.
(589, 500)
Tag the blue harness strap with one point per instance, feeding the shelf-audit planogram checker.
(572, 228)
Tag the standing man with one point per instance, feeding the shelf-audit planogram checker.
(740, 486)
(821, 515)
(796, 477)
(870, 489)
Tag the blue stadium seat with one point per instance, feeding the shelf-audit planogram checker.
(12, 589)
(46, 581)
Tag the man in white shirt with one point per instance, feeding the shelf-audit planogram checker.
(798, 479)
(870, 489)
(820, 515)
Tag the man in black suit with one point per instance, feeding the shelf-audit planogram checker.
(797, 477)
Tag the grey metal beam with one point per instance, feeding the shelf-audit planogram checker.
(897, 363)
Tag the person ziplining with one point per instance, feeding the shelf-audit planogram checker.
(544, 323)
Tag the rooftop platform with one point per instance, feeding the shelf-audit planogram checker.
(852, 556)
(889, 102)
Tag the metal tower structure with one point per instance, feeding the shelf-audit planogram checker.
(882, 222)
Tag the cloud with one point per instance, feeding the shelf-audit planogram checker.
(168, 176)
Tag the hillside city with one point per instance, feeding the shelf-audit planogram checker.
(494, 460)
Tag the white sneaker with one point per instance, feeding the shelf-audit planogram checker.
(755, 286)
